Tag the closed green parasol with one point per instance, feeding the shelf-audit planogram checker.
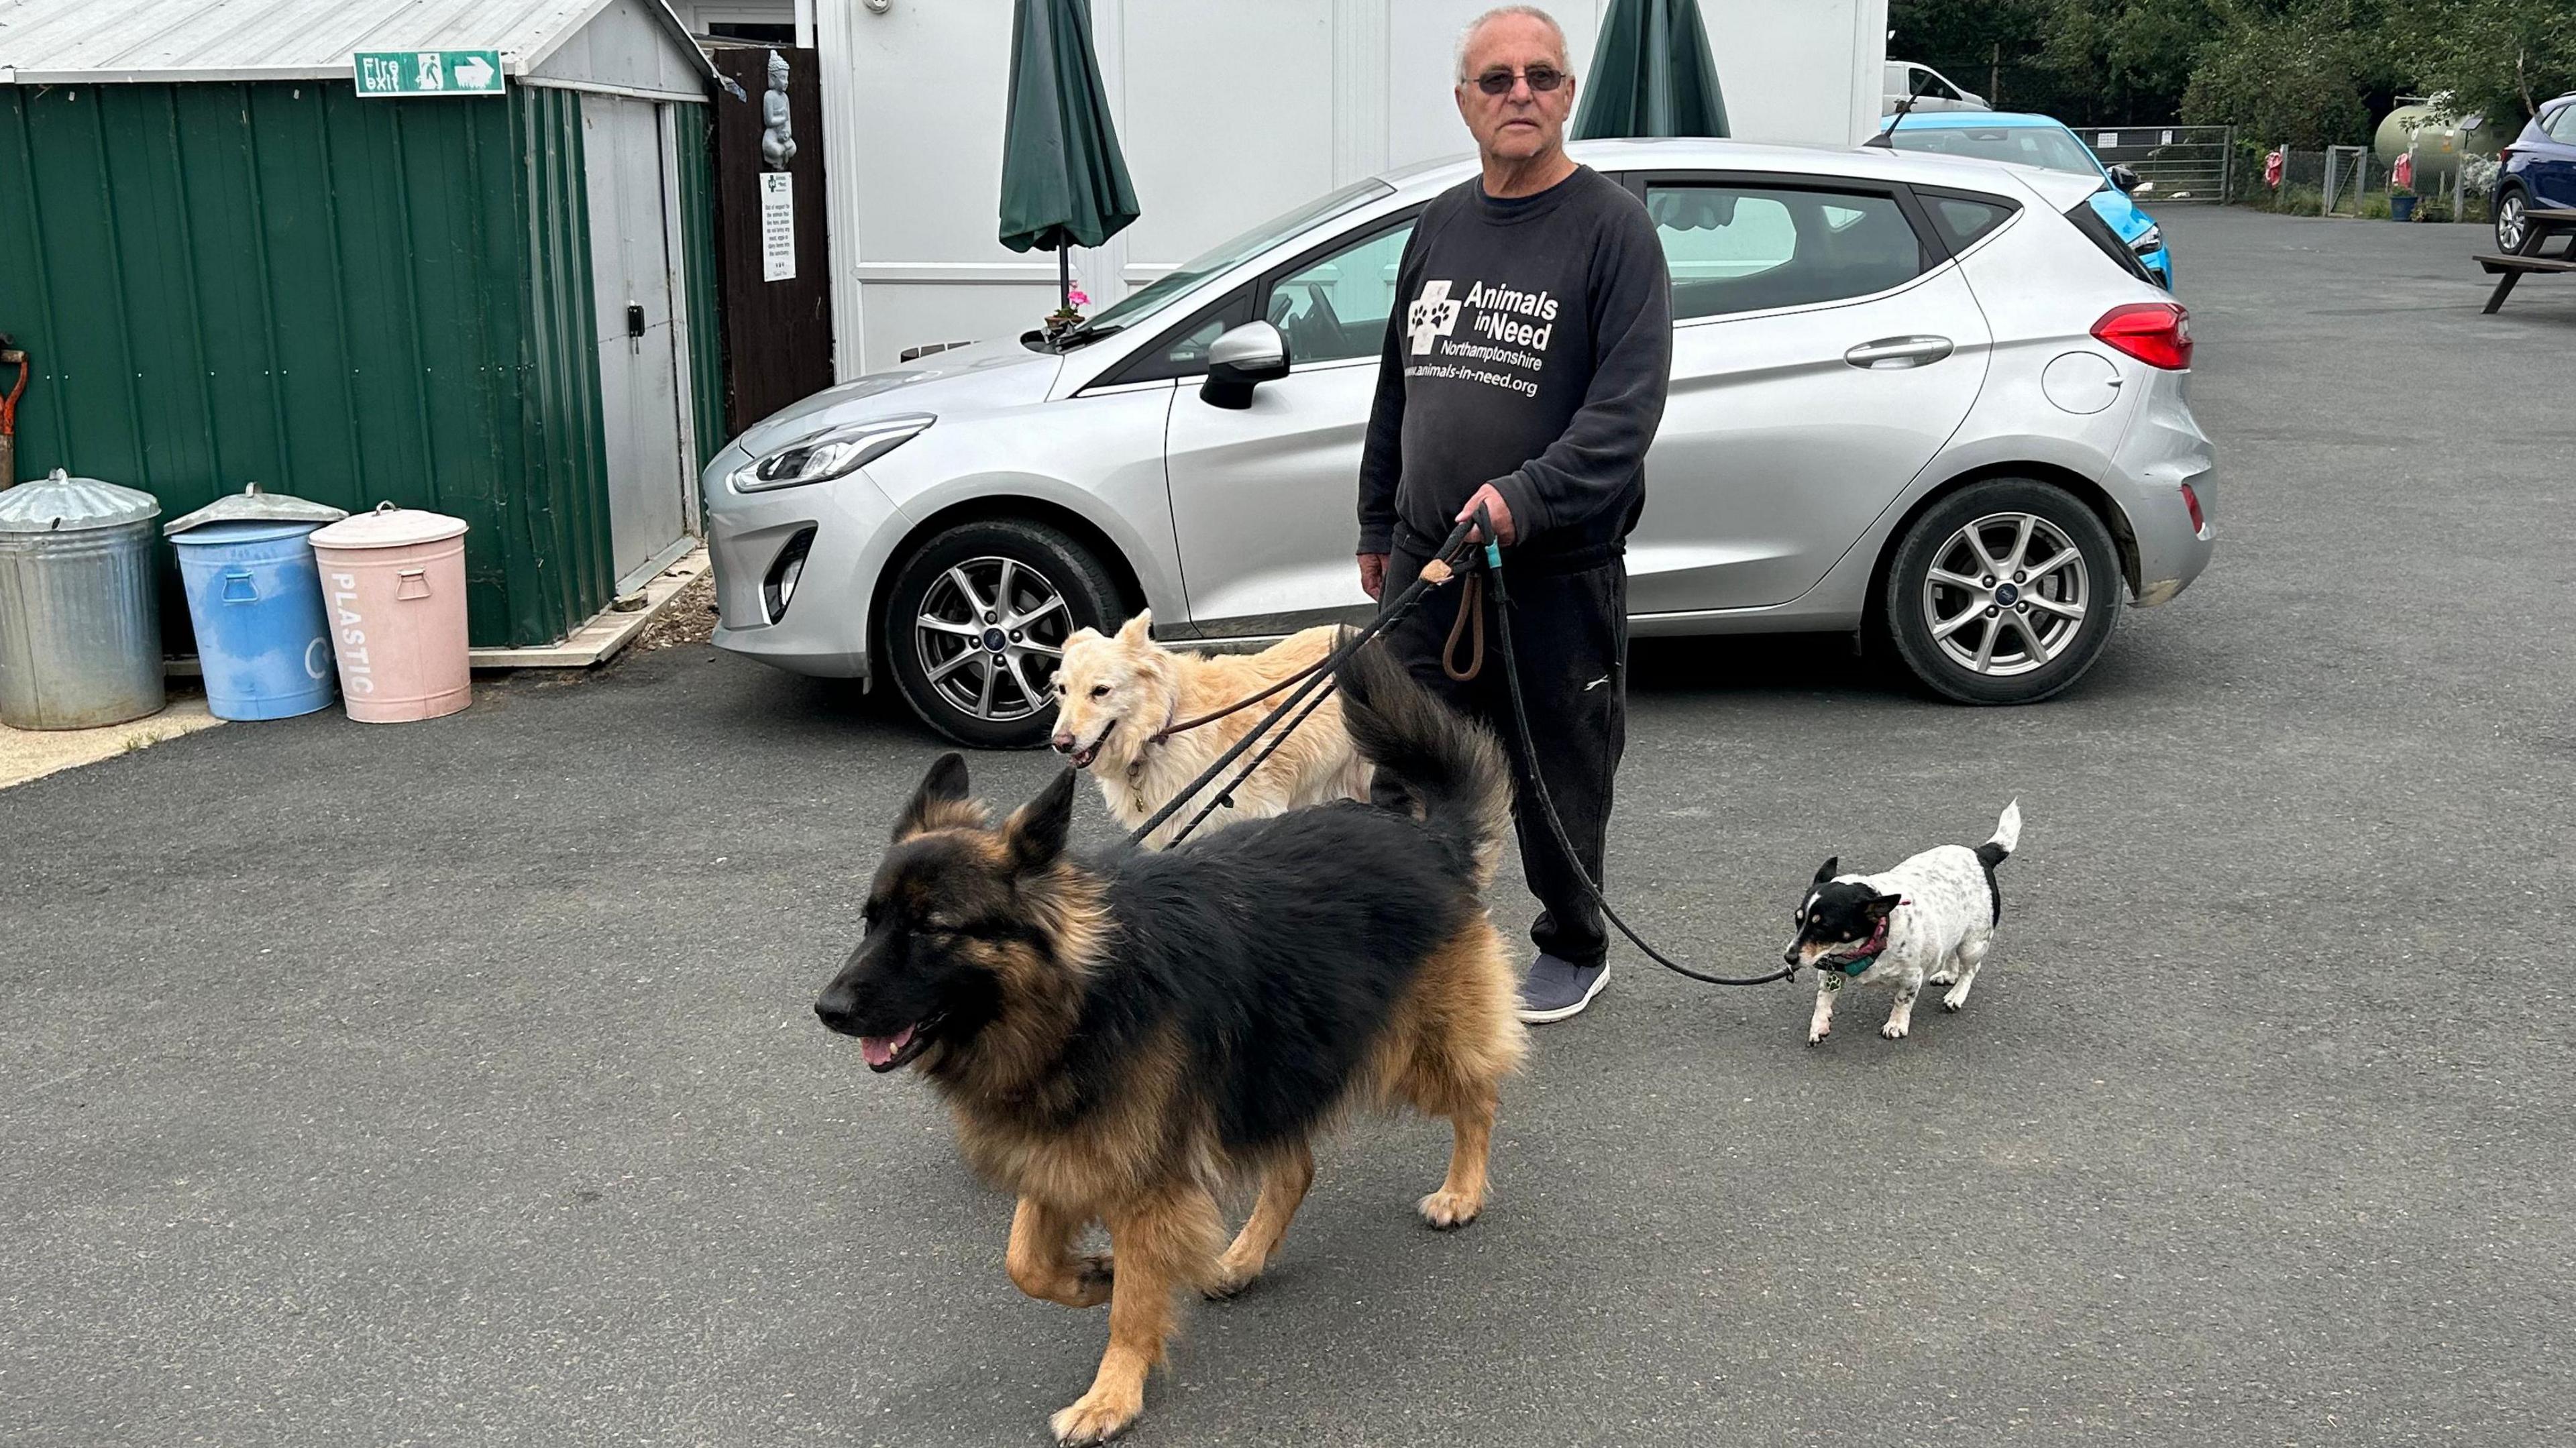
(1652, 75)
(1064, 182)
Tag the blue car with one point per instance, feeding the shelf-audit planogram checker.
(2034, 140)
(2539, 173)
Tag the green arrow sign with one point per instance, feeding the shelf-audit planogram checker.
(429, 72)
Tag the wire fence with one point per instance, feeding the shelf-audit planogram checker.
(2351, 181)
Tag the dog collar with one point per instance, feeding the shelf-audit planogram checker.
(1877, 946)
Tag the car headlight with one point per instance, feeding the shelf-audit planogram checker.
(830, 454)
(2151, 239)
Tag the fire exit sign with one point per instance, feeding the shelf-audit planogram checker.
(429, 72)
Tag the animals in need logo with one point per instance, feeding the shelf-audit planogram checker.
(1518, 322)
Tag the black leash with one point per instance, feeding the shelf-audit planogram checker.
(1547, 806)
(1318, 684)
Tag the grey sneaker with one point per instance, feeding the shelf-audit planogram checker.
(1556, 989)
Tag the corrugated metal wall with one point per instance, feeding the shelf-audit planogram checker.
(282, 282)
(565, 521)
(706, 325)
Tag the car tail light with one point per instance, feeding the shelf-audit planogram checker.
(2191, 500)
(2156, 333)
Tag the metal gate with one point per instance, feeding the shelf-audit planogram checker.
(2347, 179)
(2186, 163)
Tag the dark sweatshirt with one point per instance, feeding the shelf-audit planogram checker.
(1531, 351)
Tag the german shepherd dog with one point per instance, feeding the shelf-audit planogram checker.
(1121, 1037)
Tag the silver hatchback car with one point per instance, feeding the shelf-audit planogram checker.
(1930, 398)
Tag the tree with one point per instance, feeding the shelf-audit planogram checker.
(2305, 74)
(2496, 58)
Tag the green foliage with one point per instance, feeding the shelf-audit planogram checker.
(2305, 72)
(2302, 77)
(2497, 58)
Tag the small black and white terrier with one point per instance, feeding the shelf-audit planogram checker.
(1931, 918)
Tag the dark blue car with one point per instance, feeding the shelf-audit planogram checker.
(2539, 172)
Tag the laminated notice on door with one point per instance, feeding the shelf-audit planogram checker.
(777, 226)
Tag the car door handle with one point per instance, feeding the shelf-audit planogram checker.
(1889, 352)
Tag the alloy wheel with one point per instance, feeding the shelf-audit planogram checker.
(2006, 594)
(2512, 227)
(989, 634)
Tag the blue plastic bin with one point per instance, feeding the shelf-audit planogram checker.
(256, 599)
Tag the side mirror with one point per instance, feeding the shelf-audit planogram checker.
(2124, 178)
(1244, 356)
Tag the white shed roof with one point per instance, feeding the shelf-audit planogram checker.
(60, 42)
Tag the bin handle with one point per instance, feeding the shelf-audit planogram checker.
(414, 583)
(237, 586)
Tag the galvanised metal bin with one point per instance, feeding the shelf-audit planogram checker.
(80, 628)
(256, 600)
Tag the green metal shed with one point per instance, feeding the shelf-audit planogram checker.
(227, 264)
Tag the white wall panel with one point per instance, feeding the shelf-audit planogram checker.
(1228, 117)
(1230, 111)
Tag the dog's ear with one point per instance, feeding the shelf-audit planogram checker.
(1877, 906)
(942, 802)
(1036, 834)
(1826, 872)
(1137, 630)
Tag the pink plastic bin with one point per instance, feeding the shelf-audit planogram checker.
(394, 583)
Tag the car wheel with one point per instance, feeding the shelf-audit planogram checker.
(2003, 593)
(976, 622)
(2512, 221)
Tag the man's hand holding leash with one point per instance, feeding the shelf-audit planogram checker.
(1373, 565)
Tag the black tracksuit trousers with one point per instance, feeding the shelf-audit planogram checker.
(1570, 632)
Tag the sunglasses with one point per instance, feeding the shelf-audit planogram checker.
(1541, 78)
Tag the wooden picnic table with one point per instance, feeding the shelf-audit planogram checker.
(2545, 222)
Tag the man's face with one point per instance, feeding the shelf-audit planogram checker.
(1523, 121)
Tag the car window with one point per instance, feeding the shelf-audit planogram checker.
(2050, 146)
(1746, 249)
(1963, 220)
(1145, 302)
(1182, 352)
(1336, 307)
(2562, 126)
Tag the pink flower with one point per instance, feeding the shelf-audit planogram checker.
(1076, 298)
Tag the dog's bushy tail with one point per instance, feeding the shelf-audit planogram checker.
(2007, 836)
(1452, 766)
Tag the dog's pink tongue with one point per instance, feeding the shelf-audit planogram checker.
(878, 1050)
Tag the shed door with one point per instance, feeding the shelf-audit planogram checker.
(639, 364)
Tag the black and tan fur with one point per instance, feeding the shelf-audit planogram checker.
(1121, 1037)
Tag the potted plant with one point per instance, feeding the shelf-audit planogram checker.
(1068, 316)
(2401, 188)
(2401, 205)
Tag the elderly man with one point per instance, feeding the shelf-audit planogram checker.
(1525, 376)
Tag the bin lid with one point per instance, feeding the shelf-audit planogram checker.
(65, 504)
(251, 505)
(388, 527)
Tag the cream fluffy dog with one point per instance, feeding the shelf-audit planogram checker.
(1118, 694)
